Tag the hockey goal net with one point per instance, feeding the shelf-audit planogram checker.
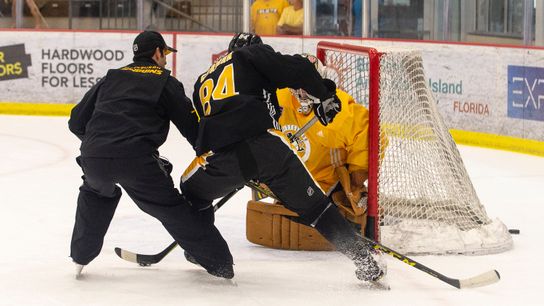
(421, 199)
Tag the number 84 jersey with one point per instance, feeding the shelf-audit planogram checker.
(235, 98)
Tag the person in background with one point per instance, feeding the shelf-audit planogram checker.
(265, 15)
(357, 18)
(34, 10)
(292, 19)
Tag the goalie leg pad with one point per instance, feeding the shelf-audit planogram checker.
(271, 225)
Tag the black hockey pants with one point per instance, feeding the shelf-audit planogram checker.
(151, 187)
(269, 159)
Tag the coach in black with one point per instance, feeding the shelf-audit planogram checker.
(121, 122)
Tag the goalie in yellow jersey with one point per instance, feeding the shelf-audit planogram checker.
(337, 157)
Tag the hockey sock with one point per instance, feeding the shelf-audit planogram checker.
(337, 230)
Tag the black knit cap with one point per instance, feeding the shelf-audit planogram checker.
(146, 43)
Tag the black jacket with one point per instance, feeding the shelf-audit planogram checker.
(236, 99)
(128, 112)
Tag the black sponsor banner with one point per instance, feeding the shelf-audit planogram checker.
(14, 62)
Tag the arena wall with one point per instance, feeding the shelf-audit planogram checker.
(491, 96)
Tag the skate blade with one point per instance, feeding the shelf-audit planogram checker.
(376, 285)
(79, 271)
(223, 282)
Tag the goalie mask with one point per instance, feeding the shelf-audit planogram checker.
(243, 39)
(302, 96)
(304, 100)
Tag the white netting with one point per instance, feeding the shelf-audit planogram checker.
(427, 203)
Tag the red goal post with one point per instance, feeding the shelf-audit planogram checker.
(372, 230)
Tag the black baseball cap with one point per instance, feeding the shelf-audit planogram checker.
(146, 43)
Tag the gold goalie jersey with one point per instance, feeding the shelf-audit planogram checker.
(323, 148)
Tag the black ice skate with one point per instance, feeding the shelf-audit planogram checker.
(224, 271)
(367, 268)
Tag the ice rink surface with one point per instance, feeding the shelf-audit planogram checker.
(39, 182)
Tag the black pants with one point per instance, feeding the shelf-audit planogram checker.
(266, 158)
(151, 187)
(269, 159)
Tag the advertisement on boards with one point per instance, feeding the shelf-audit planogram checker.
(526, 92)
(14, 62)
(476, 88)
(59, 67)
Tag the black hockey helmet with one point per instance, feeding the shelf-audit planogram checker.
(244, 39)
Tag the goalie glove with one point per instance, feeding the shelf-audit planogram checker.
(326, 110)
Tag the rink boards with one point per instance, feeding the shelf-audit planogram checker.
(488, 95)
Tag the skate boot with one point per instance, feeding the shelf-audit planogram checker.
(190, 258)
(367, 268)
(224, 271)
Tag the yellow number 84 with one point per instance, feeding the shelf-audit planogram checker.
(224, 89)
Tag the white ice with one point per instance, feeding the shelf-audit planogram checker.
(39, 182)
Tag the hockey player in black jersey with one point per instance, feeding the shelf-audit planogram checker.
(239, 140)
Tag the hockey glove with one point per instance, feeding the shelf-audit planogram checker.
(326, 110)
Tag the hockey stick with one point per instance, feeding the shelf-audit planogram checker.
(147, 260)
(480, 280)
(303, 129)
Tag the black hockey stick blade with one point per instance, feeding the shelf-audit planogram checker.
(144, 260)
(480, 280)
